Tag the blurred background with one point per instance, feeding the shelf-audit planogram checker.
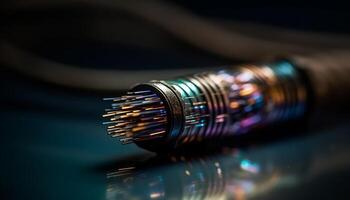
(60, 58)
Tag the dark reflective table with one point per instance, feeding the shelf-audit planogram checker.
(305, 168)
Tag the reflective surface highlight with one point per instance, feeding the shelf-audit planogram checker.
(265, 172)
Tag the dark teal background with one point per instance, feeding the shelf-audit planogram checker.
(53, 144)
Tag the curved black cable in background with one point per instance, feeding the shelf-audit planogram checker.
(229, 40)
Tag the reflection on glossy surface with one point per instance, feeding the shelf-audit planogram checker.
(262, 172)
